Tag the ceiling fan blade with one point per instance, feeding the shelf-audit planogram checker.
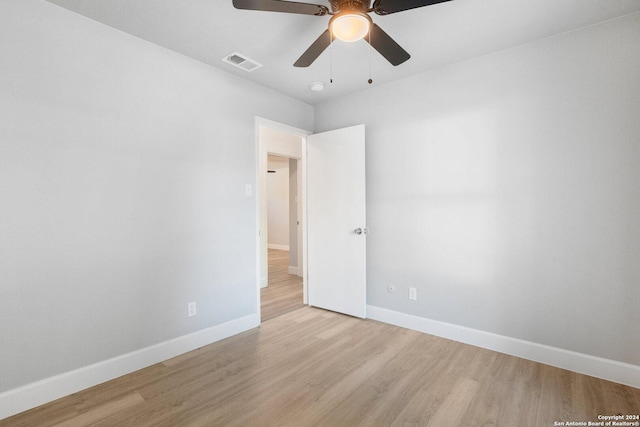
(282, 6)
(387, 46)
(316, 48)
(385, 7)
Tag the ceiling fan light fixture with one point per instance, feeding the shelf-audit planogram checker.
(350, 27)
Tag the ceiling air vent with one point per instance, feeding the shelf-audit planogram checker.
(238, 60)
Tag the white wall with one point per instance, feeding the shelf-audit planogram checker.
(506, 189)
(122, 192)
(278, 202)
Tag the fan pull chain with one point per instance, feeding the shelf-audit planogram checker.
(330, 56)
(370, 48)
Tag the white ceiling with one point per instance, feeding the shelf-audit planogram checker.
(435, 36)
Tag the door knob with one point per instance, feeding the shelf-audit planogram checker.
(360, 231)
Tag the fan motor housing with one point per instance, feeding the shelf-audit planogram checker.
(355, 5)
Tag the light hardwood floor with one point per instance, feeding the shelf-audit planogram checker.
(284, 292)
(311, 367)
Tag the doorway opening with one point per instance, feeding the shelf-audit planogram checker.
(283, 292)
(281, 237)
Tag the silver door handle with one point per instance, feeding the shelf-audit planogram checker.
(360, 231)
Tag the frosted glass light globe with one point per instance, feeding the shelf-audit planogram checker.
(350, 27)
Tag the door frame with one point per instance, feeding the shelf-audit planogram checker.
(261, 157)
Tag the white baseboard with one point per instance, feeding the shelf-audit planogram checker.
(278, 247)
(263, 282)
(623, 373)
(294, 270)
(35, 394)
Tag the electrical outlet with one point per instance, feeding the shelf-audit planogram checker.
(413, 294)
(191, 309)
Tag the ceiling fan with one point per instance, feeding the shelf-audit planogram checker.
(350, 21)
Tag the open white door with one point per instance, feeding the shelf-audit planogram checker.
(336, 221)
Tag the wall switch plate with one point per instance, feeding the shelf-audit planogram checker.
(413, 294)
(248, 190)
(191, 309)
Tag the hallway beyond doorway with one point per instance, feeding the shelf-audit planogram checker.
(284, 292)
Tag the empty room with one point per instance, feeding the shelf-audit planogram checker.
(459, 243)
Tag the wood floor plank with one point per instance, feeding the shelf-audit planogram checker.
(385, 394)
(103, 411)
(453, 410)
(284, 291)
(421, 409)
